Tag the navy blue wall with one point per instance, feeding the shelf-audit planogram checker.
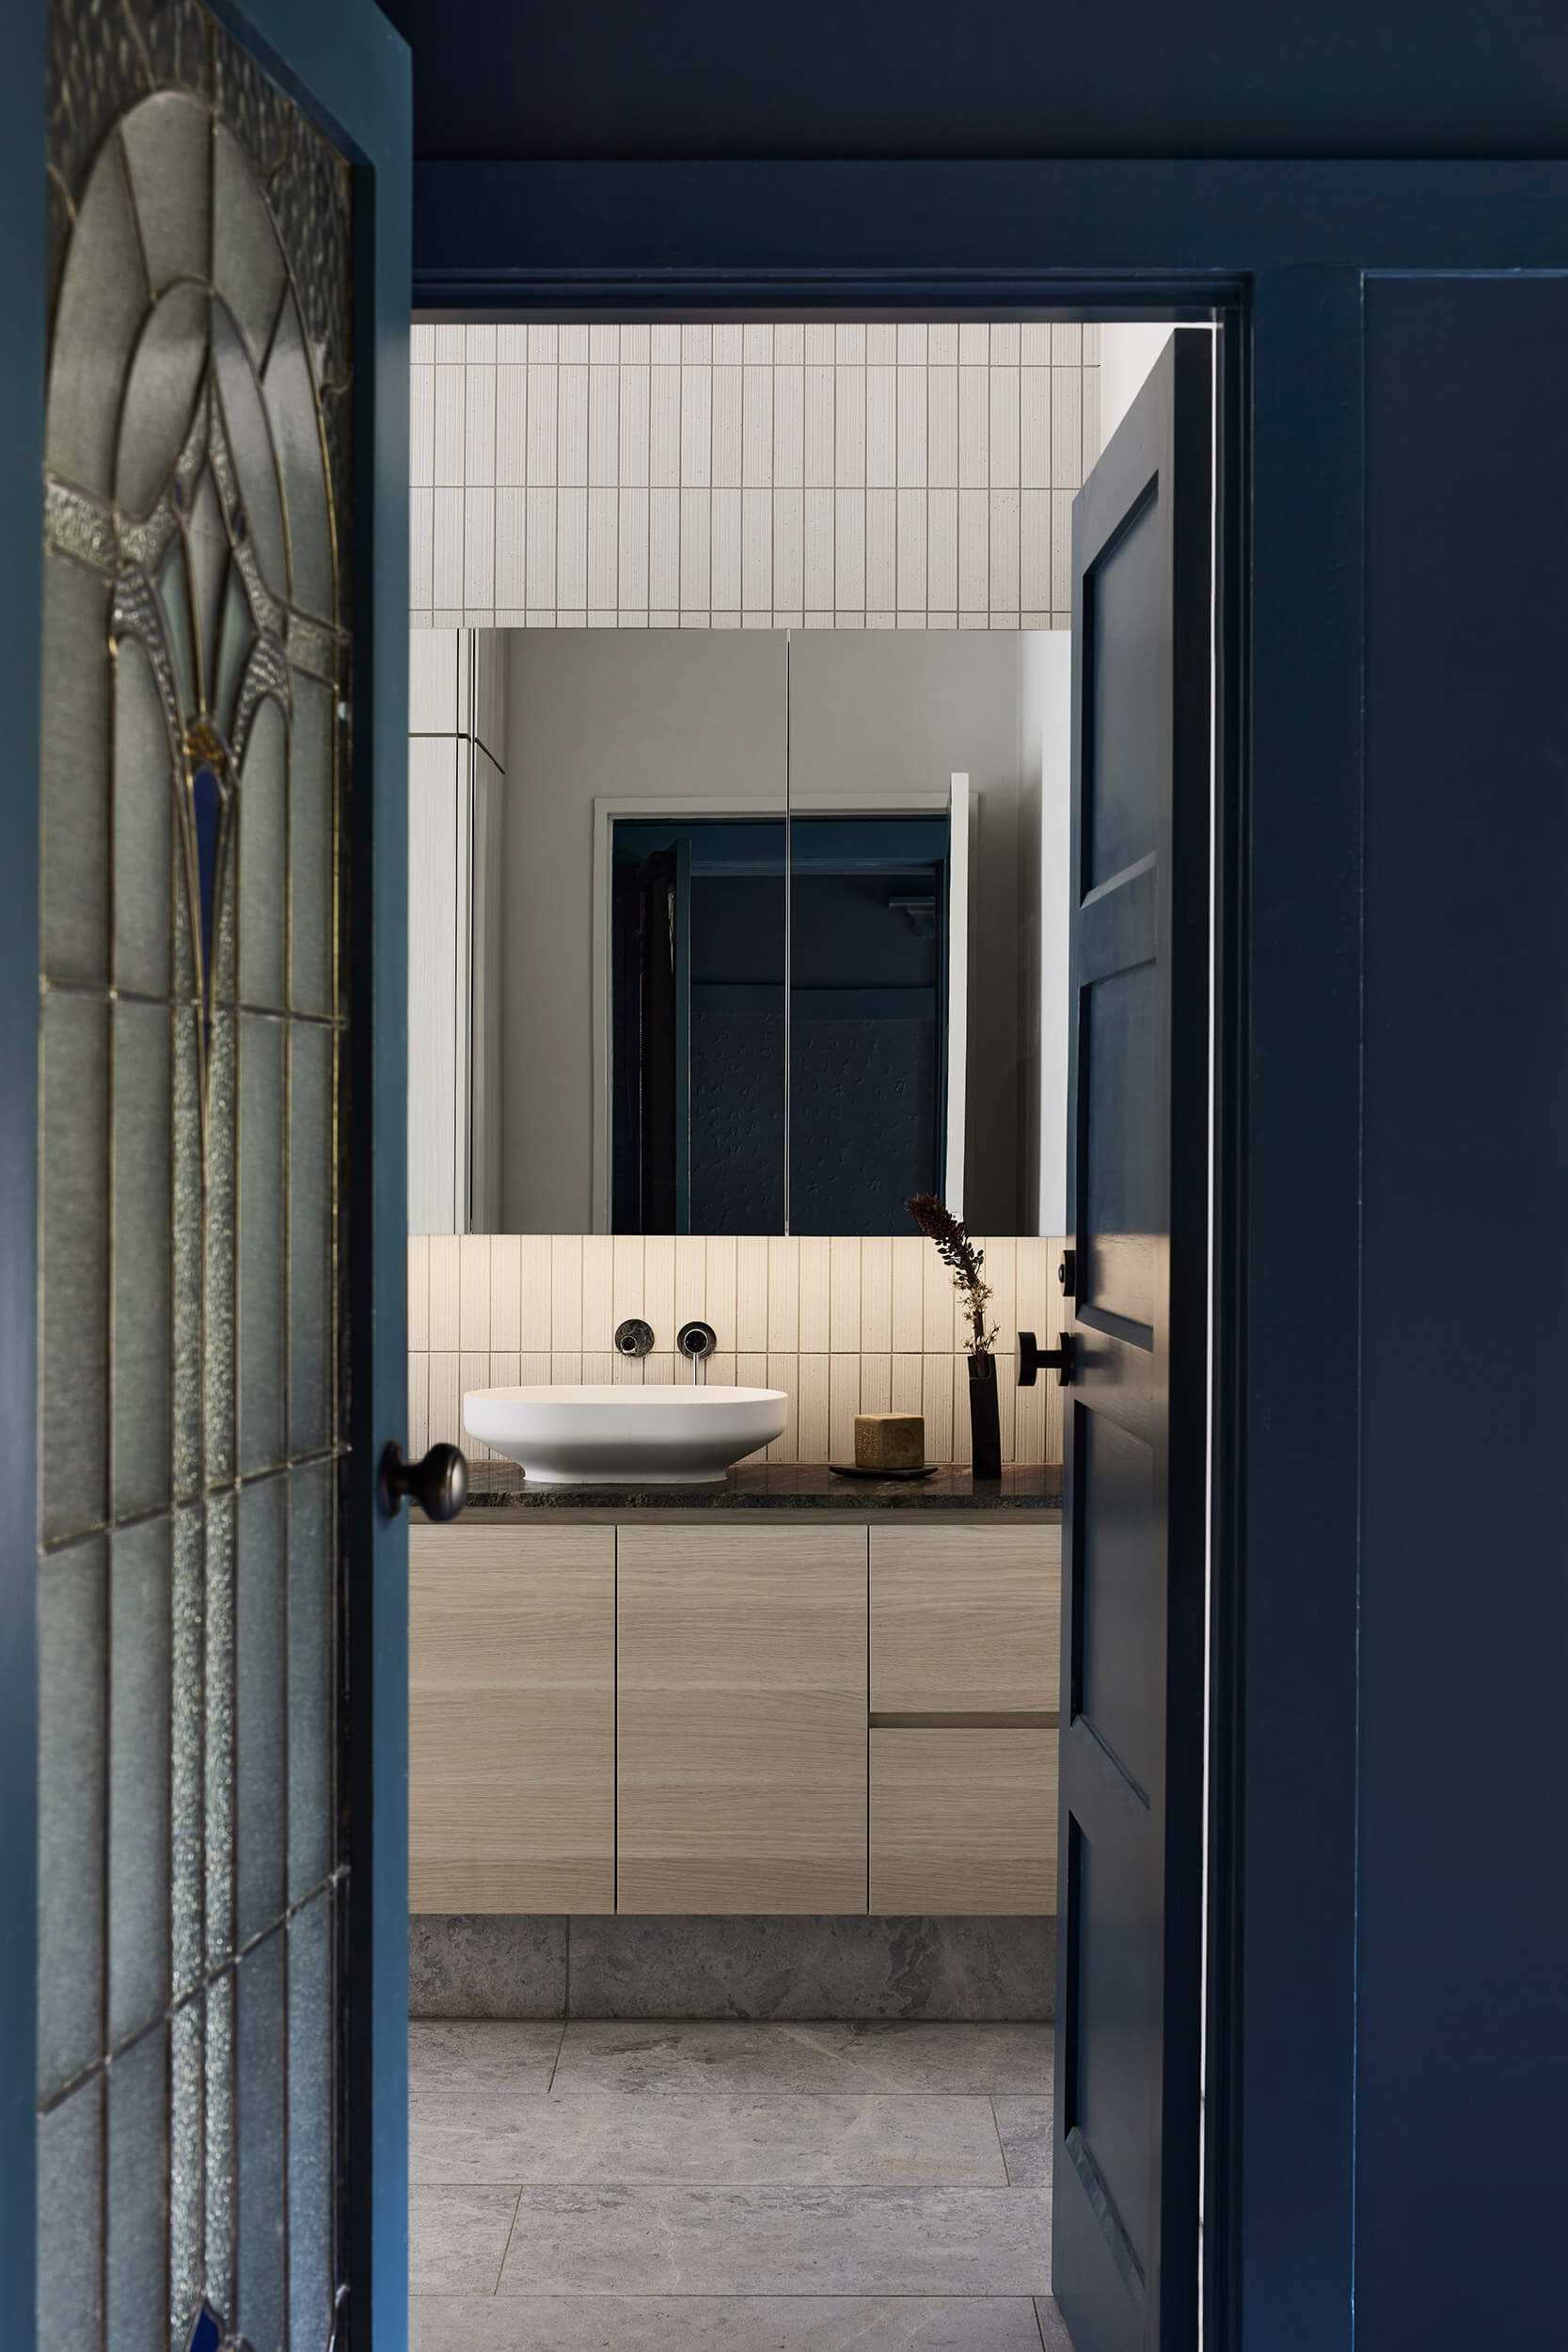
(602, 78)
(1464, 1944)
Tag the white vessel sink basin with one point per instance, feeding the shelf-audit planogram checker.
(625, 1437)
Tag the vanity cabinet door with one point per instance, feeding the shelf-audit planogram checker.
(511, 1719)
(964, 1823)
(965, 1619)
(742, 1740)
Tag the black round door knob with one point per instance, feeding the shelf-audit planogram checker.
(439, 1483)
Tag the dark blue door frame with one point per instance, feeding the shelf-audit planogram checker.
(1283, 252)
(349, 67)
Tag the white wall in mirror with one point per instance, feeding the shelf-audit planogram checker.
(456, 783)
(525, 742)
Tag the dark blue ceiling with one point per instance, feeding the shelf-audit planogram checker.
(702, 78)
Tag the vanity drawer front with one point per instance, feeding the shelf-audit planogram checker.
(965, 1619)
(964, 1823)
(741, 1733)
(511, 1719)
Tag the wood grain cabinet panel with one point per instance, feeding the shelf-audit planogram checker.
(511, 1719)
(965, 1619)
(742, 1726)
(964, 1823)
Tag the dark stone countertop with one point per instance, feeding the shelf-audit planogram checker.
(778, 1487)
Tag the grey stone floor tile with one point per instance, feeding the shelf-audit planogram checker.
(1024, 2126)
(722, 2139)
(875, 2242)
(1053, 2335)
(904, 2057)
(683, 2323)
(456, 2238)
(460, 2061)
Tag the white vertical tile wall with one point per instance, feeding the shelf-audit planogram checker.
(846, 1325)
(723, 477)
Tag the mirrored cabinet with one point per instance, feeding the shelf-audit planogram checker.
(745, 933)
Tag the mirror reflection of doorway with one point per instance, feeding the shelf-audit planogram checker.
(756, 962)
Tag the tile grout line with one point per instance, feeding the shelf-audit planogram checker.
(996, 2125)
(555, 2062)
(516, 2208)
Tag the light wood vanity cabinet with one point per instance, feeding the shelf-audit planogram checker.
(742, 1763)
(966, 1627)
(512, 1718)
(744, 1715)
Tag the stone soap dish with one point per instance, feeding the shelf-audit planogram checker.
(863, 1470)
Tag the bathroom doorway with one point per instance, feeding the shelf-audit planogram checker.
(862, 2042)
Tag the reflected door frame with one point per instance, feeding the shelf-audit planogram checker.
(608, 808)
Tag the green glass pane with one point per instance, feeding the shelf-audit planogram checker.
(217, 1756)
(313, 1173)
(261, 1291)
(75, 1268)
(220, 1335)
(137, 2191)
(297, 433)
(208, 543)
(104, 301)
(161, 389)
(219, 2204)
(187, 2186)
(248, 435)
(187, 1243)
(312, 1651)
(167, 144)
(144, 787)
(261, 1745)
(187, 1743)
(140, 1693)
(236, 636)
(72, 1639)
(313, 796)
(247, 261)
(262, 2061)
(313, 2173)
(70, 2219)
(174, 592)
(74, 772)
(263, 858)
(143, 1256)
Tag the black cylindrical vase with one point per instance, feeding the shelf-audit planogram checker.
(985, 1417)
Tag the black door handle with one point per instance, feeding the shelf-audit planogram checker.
(1033, 1359)
(439, 1483)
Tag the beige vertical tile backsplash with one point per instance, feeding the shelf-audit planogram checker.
(846, 1325)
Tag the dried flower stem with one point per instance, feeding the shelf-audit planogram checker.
(956, 1249)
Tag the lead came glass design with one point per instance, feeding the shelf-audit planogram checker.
(194, 768)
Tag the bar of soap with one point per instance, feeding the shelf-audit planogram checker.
(889, 1441)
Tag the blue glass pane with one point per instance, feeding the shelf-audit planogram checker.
(207, 807)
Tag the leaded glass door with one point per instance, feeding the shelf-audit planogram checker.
(208, 1281)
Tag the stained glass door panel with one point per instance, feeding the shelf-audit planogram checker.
(195, 767)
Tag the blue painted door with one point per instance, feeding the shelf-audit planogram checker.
(213, 859)
(1124, 2250)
